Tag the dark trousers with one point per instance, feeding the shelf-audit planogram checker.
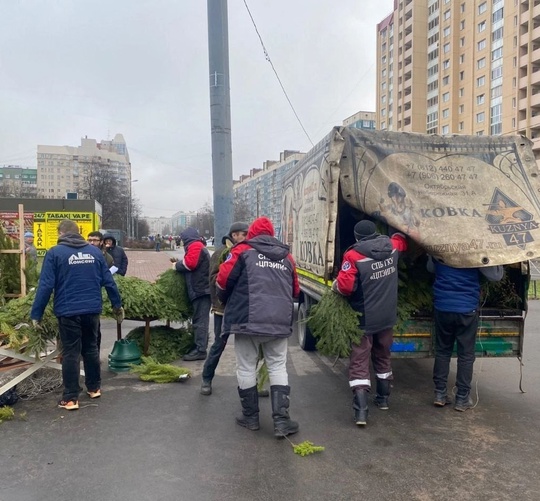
(449, 328)
(212, 360)
(78, 335)
(200, 321)
(377, 347)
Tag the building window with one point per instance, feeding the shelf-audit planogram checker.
(446, 31)
(496, 54)
(461, 75)
(481, 63)
(446, 48)
(445, 130)
(446, 113)
(446, 14)
(480, 99)
(481, 26)
(480, 133)
(496, 92)
(461, 108)
(461, 125)
(496, 119)
(480, 117)
(446, 80)
(446, 97)
(496, 73)
(462, 25)
(462, 8)
(497, 34)
(461, 58)
(481, 45)
(461, 92)
(497, 15)
(482, 8)
(480, 81)
(446, 64)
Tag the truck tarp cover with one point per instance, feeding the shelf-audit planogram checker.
(468, 200)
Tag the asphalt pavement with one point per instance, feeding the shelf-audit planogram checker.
(144, 441)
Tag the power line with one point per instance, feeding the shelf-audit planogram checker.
(267, 56)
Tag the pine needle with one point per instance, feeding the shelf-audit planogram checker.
(6, 413)
(306, 448)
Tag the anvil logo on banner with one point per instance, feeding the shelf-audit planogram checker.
(509, 219)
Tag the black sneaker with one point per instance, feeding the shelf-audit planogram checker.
(206, 387)
(441, 399)
(463, 404)
(194, 355)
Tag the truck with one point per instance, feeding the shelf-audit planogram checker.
(470, 201)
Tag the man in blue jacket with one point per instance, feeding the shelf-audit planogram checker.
(456, 297)
(76, 271)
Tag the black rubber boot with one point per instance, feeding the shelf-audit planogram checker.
(360, 406)
(283, 424)
(383, 392)
(250, 408)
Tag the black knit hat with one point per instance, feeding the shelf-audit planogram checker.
(364, 229)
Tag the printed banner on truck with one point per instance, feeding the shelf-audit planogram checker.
(46, 227)
(468, 200)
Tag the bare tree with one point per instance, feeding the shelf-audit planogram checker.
(205, 220)
(242, 211)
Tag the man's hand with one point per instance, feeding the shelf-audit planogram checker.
(36, 324)
(173, 260)
(335, 287)
(119, 314)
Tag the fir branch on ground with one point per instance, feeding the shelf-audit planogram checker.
(335, 324)
(306, 448)
(6, 413)
(150, 370)
(166, 344)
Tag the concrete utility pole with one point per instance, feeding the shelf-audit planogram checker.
(220, 116)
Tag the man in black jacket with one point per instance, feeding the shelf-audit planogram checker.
(118, 254)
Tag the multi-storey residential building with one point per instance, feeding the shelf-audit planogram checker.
(362, 120)
(158, 225)
(181, 220)
(62, 169)
(17, 181)
(259, 193)
(452, 66)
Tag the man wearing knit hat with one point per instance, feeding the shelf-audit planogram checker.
(237, 233)
(29, 247)
(369, 279)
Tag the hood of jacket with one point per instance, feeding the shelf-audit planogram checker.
(261, 237)
(109, 236)
(378, 247)
(72, 240)
(189, 235)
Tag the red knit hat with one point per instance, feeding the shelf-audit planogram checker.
(261, 226)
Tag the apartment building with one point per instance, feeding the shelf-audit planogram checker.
(158, 225)
(63, 169)
(260, 192)
(362, 120)
(448, 67)
(181, 220)
(18, 181)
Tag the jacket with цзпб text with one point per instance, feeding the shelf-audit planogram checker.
(76, 271)
(258, 283)
(196, 264)
(369, 278)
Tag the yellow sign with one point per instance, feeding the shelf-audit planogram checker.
(46, 226)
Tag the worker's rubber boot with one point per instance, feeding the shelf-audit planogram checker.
(383, 392)
(283, 424)
(360, 406)
(250, 408)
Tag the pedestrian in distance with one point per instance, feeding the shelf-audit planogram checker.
(76, 271)
(118, 254)
(195, 266)
(158, 240)
(258, 284)
(369, 279)
(237, 233)
(29, 247)
(456, 298)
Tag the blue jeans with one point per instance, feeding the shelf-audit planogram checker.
(216, 350)
(78, 335)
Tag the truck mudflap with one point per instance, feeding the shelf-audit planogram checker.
(499, 335)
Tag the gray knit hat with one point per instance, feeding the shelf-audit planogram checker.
(238, 226)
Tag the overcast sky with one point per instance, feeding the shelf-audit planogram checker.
(140, 68)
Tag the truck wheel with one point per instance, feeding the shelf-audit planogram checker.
(305, 339)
